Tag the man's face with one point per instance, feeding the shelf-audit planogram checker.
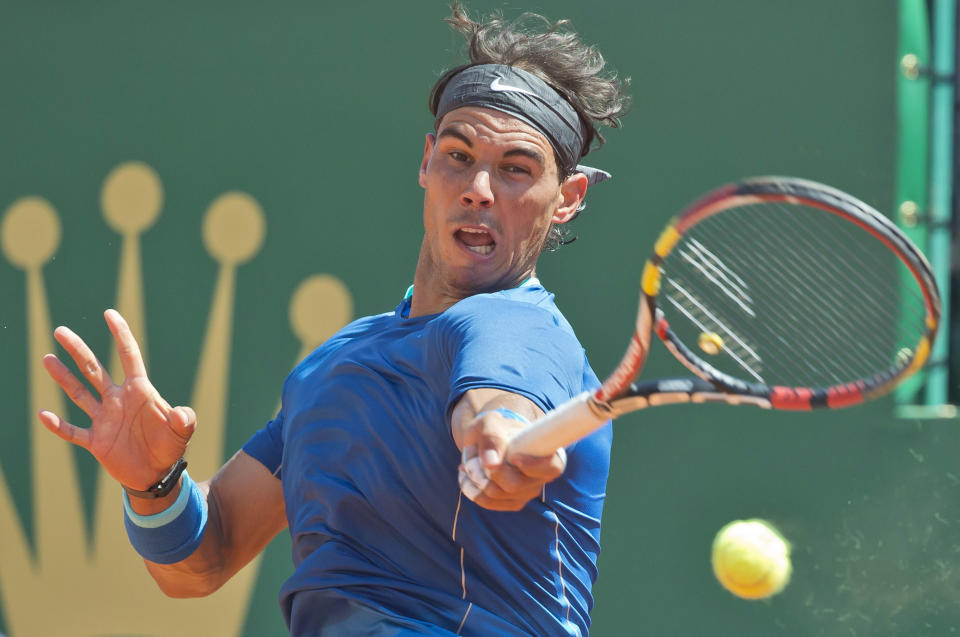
(492, 191)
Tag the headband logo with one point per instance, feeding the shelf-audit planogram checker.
(495, 85)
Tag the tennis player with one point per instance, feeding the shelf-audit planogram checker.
(387, 459)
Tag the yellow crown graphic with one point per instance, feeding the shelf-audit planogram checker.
(84, 587)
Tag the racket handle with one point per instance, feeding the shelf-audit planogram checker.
(558, 428)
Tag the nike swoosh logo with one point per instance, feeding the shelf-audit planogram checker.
(495, 85)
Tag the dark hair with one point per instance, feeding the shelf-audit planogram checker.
(555, 54)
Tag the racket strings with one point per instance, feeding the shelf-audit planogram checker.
(734, 342)
(711, 267)
(773, 293)
(680, 294)
(797, 295)
(843, 348)
(754, 364)
(741, 352)
(910, 306)
(857, 293)
(873, 261)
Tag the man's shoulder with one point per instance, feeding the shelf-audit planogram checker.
(366, 326)
(520, 313)
(525, 301)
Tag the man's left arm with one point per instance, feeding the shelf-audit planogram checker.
(482, 423)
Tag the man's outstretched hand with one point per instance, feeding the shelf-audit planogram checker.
(134, 434)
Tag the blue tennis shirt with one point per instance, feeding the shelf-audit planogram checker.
(363, 446)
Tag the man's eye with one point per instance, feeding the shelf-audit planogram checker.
(517, 170)
(456, 155)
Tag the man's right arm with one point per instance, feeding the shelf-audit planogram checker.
(246, 511)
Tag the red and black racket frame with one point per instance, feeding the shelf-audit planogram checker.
(713, 385)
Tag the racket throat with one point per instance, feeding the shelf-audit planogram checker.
(601, 409)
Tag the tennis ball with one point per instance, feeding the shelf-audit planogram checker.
(751, 559)
(711, 343)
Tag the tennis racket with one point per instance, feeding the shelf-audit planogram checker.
(776, 292)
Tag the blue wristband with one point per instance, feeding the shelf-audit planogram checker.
(173, 534)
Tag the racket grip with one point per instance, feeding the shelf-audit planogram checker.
(558, 428)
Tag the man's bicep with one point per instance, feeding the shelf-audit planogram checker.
(247, 508)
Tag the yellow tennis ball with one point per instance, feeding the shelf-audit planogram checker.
(751, 559)
(711, 343)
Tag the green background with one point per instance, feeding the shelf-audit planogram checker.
(319, 110)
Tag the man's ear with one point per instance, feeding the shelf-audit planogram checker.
(427, 154)
(573, 189)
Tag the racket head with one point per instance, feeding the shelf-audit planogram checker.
(788, 291)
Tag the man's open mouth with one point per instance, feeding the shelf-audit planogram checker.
(476, 240)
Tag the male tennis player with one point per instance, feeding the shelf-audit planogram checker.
(387, 460)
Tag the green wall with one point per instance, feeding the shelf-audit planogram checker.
(318, 111)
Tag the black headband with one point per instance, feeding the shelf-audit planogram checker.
(528, 98)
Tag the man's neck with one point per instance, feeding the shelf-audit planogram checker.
(423, 304)
(433, 296)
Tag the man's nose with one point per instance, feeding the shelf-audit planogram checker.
(478, 192)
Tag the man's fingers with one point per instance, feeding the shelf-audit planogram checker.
(508, 486)
(511, 481)
(63, 429)
(492, 496)
(83, 356)
(506, 483)
(499, 504)
(127, 348)
(183, 421)
(76, 390)
(472, 466)
(541, 468)
(470, 488)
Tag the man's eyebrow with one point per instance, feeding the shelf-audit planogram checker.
(450, 132)
(527, 152)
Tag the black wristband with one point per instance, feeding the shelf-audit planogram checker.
(163, 487)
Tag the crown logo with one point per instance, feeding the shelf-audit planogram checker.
(74, 585)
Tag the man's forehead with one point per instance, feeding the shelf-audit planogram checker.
(470, 120)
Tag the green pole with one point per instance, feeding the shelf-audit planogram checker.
(941, 187)
(913, 151)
